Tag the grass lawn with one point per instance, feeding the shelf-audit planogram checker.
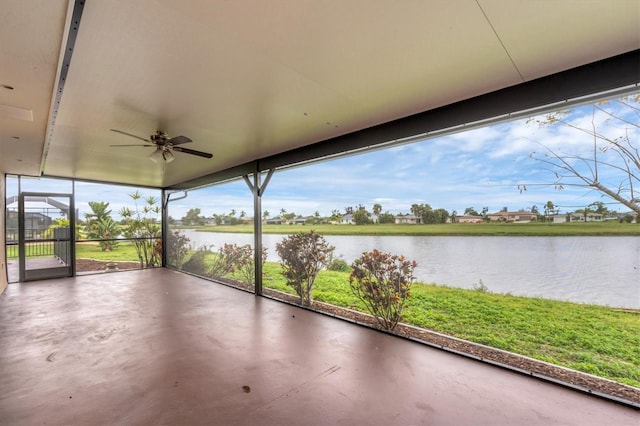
(448, 229)
(594, 339)
(124, 252)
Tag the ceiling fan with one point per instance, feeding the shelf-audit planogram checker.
(164, 145)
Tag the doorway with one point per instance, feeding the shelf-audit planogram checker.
(46, 246)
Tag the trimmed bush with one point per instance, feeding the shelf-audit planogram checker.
(303, 255)
(382, 282)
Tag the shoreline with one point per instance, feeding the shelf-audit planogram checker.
(592, 229)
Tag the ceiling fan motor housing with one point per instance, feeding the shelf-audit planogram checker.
(159, 138)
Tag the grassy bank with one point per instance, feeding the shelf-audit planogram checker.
(447, 229)
(594, 339)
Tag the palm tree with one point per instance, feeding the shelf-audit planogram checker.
(98, 211)
(101, 226)
(548, 208)
(106, 229)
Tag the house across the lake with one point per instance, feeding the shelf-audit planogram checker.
(407, 219)
(591, 217)
(520, 216)
(467, 219)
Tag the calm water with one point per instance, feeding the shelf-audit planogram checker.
(600, 270)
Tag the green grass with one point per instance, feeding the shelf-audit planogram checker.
(448, 229)
(594, 339)
(124, 252)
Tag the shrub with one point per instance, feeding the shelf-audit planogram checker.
(339, 265)
(382, 282)
(196, 263)
(177, 250)
(247, 268)
(228, 258)
(303, 255)
(479, 286)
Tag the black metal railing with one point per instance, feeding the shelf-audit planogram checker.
(33, 248)
(36, 245)
(61, 244)
(60, 247)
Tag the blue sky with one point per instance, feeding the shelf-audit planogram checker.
(477, 168)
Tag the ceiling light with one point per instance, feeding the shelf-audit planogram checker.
(168, 156)
(162, 154)
(156, 155)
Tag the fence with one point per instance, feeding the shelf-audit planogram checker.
(61, 244)
(35, 246)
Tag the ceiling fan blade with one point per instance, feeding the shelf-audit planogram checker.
(129, 134)
(179, 140)
(192, 152)
(137, 144)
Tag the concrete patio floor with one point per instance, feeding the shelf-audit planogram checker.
(161, 347)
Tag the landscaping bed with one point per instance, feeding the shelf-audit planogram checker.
(93, 265)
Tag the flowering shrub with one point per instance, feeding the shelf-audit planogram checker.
(177, 248)
(382, 282)
(303, 255)
(228, 259)
(234, 258)
(247, 267)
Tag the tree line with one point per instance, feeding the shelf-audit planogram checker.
(360, 215)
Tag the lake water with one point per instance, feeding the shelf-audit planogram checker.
(599, 270)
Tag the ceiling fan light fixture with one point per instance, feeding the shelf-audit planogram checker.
(168, 156)
(156, 155)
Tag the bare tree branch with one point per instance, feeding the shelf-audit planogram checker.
(619, 156)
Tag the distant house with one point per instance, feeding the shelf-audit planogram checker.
(521, 216)
(347, 219)
(591, 217)
(559, 218)
(407, 219)
(274, 221)
(468, 219)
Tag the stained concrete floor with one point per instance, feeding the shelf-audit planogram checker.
(161, 347)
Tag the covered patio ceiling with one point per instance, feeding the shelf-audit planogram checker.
(251, 79)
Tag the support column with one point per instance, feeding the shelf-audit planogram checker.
(257, 189)
(166, 199)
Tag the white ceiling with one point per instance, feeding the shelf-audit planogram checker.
(251, 78)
